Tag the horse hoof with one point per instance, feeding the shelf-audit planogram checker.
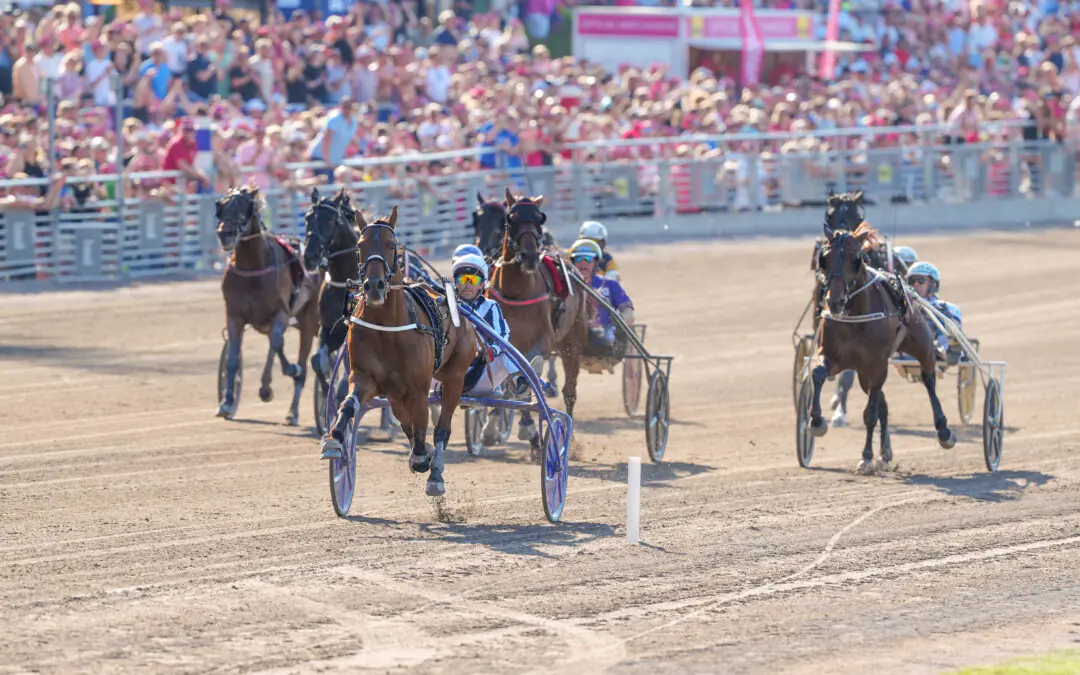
(819, 427)
(292, 421)
(865, 468)
(331, 449)
(526, 432)
(949, 442)
(550, 390)
(292, 370)
(420, 463)
(886, 460)
(490, 437)
(435, 488)
(226, 411)
(266, 394)
(839, 419)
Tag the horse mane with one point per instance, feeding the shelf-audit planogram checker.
(871, 237)
(253, 193)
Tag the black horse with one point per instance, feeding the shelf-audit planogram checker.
(330, 239)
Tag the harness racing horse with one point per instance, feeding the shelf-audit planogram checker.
(399, 340)
(864, 324)
(522, 285)
(330, 239)
(489, 227)
(264, 286)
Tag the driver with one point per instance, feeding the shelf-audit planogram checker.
(597, 232)
(586, 256)
(925, 279)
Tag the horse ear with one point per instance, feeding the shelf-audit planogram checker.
(360, 220)
(217, 210)
(539, 200)
(314, 195)
(480, 198)
(392, 220)
(510, 201)
(857, 196)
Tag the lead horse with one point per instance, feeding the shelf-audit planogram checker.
(524, 288)
(398, 341)
(864, 323)
(263, 288)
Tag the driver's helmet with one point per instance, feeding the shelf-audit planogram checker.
(594, 230)
(906, 255)
(925, 269)
(466, 249)
(585, 249)
(470, 263)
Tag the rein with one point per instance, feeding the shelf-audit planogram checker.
(875, 277)
(492, 293)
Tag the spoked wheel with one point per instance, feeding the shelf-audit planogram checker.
(804, 437)
(631, 382)
(320, 407)
(802, 352)
(506, 423)
(343, 470)
(223, 376)
(965, 393)
(554, 467)
(657, 416)
(475, 419)
(993, 416)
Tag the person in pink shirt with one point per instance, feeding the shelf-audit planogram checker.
(254, 157)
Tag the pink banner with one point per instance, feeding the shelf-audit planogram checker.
(753, 47)
(728, 27)
(832, 34)
(628, 25)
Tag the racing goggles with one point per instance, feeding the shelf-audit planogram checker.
(469, 279)
(918, 280)
(583, 256)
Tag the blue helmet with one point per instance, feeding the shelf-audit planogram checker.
(907, 255)
(467, 249)
(925, 269)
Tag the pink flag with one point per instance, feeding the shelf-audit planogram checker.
(753, 47)
(832, 34)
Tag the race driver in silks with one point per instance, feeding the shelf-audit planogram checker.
(586, 255)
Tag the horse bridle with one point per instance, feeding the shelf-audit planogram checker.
(340, 221)
(246, 224)
(482, 209)
(536, 231)
(391, 269)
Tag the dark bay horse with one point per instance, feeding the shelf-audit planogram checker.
(522, 285)
(864, 324)
(397, 342)
(264, 287)
(330, 238)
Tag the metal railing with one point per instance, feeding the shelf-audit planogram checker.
(131, 238)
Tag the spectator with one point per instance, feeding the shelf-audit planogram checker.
(202, 74)
(335, 137)
(180, 155)
(99, 71)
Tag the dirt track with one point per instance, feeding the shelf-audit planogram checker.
(139, 533)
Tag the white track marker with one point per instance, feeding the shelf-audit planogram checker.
(633, 500)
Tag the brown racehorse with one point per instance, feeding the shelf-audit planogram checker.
(395, 348)
(522, 285)
(864, 326)
(263, 287)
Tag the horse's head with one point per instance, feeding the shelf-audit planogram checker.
(323, 220)
(489, 225)
(237, 213)
(524, 229)
(378, 257)
(845, 212)
(841, 261)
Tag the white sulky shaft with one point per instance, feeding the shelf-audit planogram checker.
(633, 500)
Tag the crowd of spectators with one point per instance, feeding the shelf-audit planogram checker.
(386, 79)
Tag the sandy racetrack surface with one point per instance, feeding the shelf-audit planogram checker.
(139, 533)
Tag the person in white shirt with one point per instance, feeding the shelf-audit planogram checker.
(177, 49)
(149, 27)
(99, 68)
(48, 61)
(437, 77)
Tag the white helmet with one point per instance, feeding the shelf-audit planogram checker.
(591, 229)
(470, 261)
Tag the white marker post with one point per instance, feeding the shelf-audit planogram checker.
(633, 500)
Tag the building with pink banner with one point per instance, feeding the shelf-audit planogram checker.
(686, 38)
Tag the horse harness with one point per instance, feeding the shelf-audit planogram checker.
(338, 223)
(436, 312)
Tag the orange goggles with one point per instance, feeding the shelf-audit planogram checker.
(470, 279)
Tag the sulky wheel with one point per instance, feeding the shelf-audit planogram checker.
(804, 437)
(342, 470)
(657, 417)
(631, 381)
(222, 375)
(555, 467)
(320, 406)
(993, 416)
(802, 352)
(475, 418)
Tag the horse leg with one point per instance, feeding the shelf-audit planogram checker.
(839, 399)
(571, 360)
(307, 336)
(551, 388)
(870, 418)
(526, 428)
(883, 418)
(451, 395)
(817, 423)
(946, 438)
(277, 344)
(227, 408)
(362, 392)
(417, 411)
(266, 393)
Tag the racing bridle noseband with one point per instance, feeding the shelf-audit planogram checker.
(390, 268)
(514, 219)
